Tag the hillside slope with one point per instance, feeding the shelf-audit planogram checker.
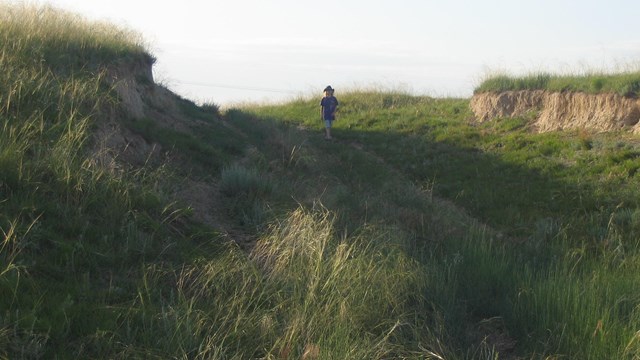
(123, 206)
(137, 225)
(562, 258)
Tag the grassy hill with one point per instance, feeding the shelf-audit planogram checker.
(624, 83)
(561, 261)
(190, 233)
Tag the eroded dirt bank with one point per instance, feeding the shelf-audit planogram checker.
(561, 110)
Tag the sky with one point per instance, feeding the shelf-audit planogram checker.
(231, 51)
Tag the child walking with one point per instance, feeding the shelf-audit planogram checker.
(329, 105)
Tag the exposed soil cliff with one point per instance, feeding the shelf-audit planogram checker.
(116, 146)
(561, 110)
(137, 97)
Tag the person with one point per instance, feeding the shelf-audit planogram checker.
(329, 105)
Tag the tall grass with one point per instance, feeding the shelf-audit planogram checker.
(67, 224)
(305, 292)
(624, 83)
(557, 275)
(103, 264)
(64, 41)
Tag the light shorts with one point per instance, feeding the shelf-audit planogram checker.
(328, 123)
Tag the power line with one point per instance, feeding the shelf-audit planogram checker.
(235, 87)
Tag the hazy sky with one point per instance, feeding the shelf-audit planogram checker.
(226, 51)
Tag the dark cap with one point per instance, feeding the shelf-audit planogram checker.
(328, 88)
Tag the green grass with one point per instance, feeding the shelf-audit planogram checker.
(624, 83)
(563, 205)
(63, 41)
(99, 263)
(416, 234)
(71, 230)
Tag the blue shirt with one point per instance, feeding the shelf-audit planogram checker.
(329, 105)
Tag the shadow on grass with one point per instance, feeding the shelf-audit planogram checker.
(385, 179)
(509, 197)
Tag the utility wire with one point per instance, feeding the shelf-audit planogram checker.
(235, 87)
